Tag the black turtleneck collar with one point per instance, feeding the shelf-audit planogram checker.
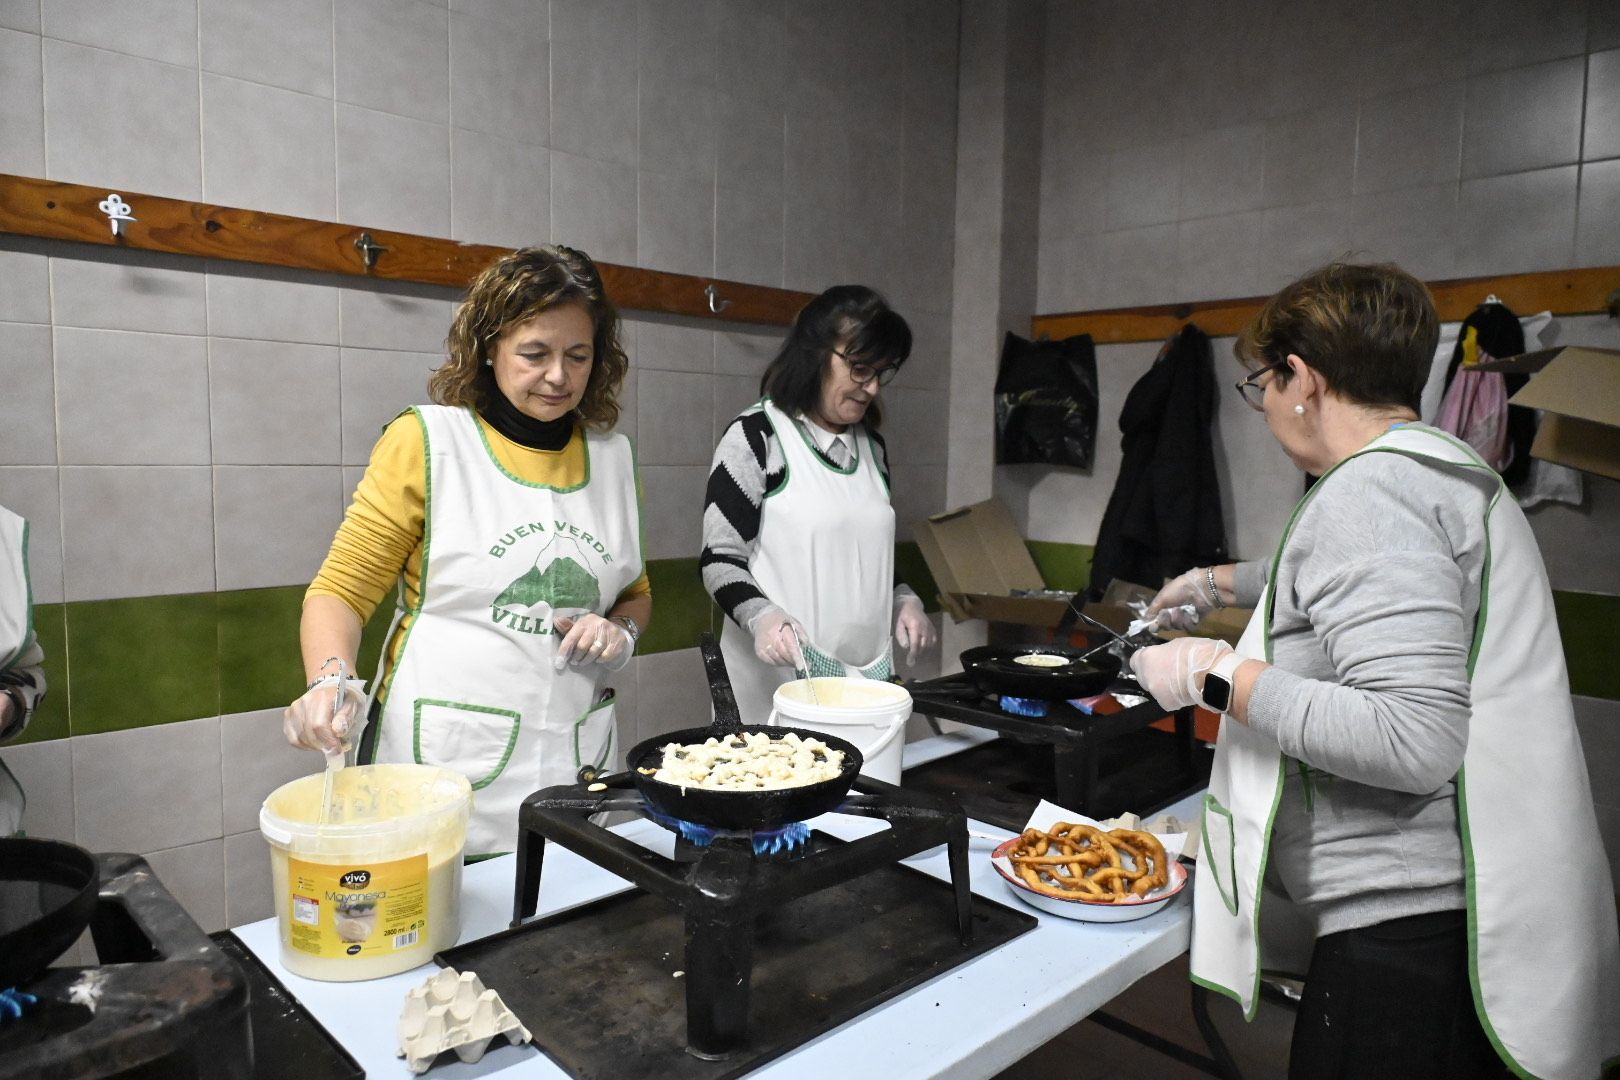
(522, 429)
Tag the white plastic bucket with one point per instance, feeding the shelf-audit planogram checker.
(869, 713)
(377, 889)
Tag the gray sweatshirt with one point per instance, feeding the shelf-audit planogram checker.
(1377, 593)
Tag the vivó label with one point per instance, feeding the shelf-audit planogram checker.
(376, 909)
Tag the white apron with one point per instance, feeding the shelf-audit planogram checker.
(825, 555)
(474, 689)
(1544, 956)
(16, 629)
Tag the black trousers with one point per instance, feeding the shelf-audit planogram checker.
(1391, 1001)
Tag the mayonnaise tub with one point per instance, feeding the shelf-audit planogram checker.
(376, 889)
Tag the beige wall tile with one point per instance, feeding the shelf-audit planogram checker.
(150, 789)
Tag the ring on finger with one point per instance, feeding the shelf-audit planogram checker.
(597, 644)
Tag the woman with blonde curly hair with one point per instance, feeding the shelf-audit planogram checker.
(508, 512)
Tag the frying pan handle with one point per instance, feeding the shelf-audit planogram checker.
(727, 720)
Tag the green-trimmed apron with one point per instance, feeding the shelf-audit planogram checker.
(1544, 952)
(474, 688)
(16, 631)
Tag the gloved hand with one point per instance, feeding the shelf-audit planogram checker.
(592, 639)
(311, 723)
(1170, 607)
(1169, 671)
(776, 637)
(913, 630)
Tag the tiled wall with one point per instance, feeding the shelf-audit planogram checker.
(183, 435)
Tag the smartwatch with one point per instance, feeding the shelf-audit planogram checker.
(1217, 693)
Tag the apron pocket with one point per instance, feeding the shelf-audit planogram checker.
(1219, 855)
(594, 736)
(474, 740)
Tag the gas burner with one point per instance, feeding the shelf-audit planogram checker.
(783, 839)
(725, 887)
(13, 1002)
(1022, 706)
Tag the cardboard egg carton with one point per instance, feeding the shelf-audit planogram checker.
(452, 1011)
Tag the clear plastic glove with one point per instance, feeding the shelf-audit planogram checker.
(913, 630)
(592, 639)
(776, 637)
(1170, 671)
(313, 723)
(1183, 601)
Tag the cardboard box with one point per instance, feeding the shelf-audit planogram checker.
(1578, 390)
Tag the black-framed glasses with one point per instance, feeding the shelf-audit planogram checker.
(1250, 390)
(865, 373)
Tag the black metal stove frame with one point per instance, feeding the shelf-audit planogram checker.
(726, 887)
(1075, 736)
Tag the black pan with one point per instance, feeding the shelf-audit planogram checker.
(736, 809)
(47, 894)
(995, 670)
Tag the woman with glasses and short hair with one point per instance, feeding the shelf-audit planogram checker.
(798, 533)
(1398, 737)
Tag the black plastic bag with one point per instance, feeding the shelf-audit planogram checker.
(1046, 402)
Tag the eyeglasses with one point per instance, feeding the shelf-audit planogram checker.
(1250, 390)
(865, 373)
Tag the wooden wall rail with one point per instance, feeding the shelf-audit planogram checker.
(1563, 292)
(59, 211)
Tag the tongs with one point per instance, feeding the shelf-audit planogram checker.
(1115, 639)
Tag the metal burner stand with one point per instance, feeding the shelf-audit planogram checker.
(1075, 736)
(727, 887)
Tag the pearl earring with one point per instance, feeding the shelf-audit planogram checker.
(1299, 410)
(491, 363)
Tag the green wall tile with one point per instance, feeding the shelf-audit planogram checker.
(1062, 566)
(1589, 624)
(144, 661)
(260, 666)
(51, 718)
(682, 608)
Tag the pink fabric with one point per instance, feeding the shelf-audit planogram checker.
(1475, 409)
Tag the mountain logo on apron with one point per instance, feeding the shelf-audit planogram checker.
(561, 579)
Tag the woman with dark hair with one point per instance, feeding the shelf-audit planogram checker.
(798, 533)
(1398, 737)
(532, 588)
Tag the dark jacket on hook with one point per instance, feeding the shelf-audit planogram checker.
(1165, 513)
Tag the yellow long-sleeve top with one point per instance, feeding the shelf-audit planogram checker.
(380, 540)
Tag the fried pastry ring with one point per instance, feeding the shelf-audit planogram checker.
(1072, 861)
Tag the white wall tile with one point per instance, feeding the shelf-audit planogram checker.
(1415, 228)
(20, 15)
(247, 130)
(748, 145)
(748, 236)
(149, 143)
(628, 409)
(45, 772)
(136, 531)
(26, 269)
(675, 229)
(530, 16)
(1597, 241)
(500, 190)
(1603, 27)
(732, 394)
(249, 888)
(1222, 170)
(288, 44)
(131, 399)
(1602, 135)
(393, 57)
(745, 350)
(1310, 156)
(1144, 185)
(22, 105)
(676, 418)
(195, 876)
(751, 51)
(148, 789)
(393, 172)
(917, 492)
(1136, 263)
(1408, 44)
(593, 207)
(593, 106)
(1498, 34)
(678, 41)
(256, 759)
(395, 315)
(678, 133)
(1570, 535)
(32, 491)
(1410, 138)
(911, 426)
(28, 405)
(1518, 222)
(1295, 239)
(1220, 257)
(376, 386)
(1314, 55)
(673, 509)
(273, 524)
(128, 290)
(671, 343)
(683, 694)
(272, 402)
(1526, 118)
(499, 78)
(271, 304)
(1074, 189)
(160, 30)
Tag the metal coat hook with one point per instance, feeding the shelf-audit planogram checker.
(369, 249)
(118, 212)
(716, 304)
(1491, 299)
